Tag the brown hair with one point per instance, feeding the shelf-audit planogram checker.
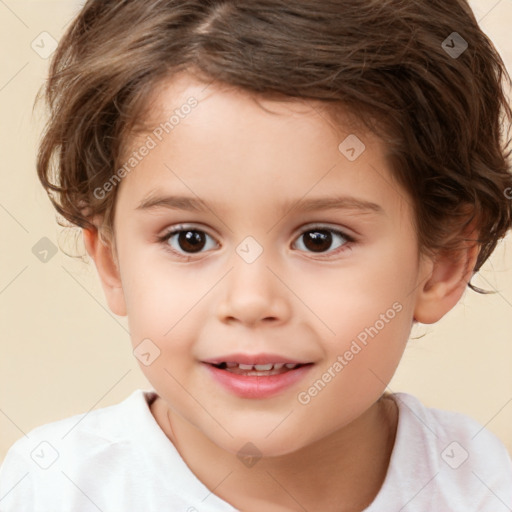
(444, 117)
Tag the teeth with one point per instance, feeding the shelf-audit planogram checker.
(261, 367)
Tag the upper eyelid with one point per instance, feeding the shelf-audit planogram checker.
(325, 227)
(308, 227)
(185, 227)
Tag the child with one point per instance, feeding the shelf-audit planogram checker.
(202, 146)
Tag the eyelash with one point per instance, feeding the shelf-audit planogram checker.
(164, 239)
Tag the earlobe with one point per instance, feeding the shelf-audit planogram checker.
(108, 270)
(448, 279)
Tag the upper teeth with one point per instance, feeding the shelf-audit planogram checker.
(261, 367)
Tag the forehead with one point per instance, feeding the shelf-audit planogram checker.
(211, 138)
(169, 104)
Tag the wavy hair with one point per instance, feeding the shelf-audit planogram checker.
(395, 65)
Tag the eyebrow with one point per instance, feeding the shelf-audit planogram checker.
(153, 201)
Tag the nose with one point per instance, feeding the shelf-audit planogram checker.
(253, 294)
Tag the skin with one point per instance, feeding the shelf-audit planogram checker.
(244, 162)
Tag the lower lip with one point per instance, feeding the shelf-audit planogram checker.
(255, 386)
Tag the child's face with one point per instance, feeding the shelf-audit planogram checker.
(310, 296)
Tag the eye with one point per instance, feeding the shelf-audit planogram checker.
(183, 241)
(186, 240)
(320, 239)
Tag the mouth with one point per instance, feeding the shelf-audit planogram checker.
(257, 376)
(258, 370)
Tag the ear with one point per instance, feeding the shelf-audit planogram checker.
(106, 264)
(449, 275)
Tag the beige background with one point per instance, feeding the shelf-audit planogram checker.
(63, 353)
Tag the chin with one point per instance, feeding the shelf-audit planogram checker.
(259, 443)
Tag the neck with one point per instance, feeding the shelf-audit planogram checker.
(341, 472)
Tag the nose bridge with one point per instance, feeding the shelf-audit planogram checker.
(252, 292)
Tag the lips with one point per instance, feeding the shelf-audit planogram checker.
(254, 382)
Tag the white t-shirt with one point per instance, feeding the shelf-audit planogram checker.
(118, 459)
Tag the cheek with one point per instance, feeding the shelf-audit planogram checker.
(368, 310)
(162, 316)
(377, 283)
(360, 361)
(161, 304)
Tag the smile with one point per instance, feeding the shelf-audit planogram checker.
(257, 381)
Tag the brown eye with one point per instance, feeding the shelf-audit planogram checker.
(187, 241)
(191, 241)
(322, 240)
(317, 241)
